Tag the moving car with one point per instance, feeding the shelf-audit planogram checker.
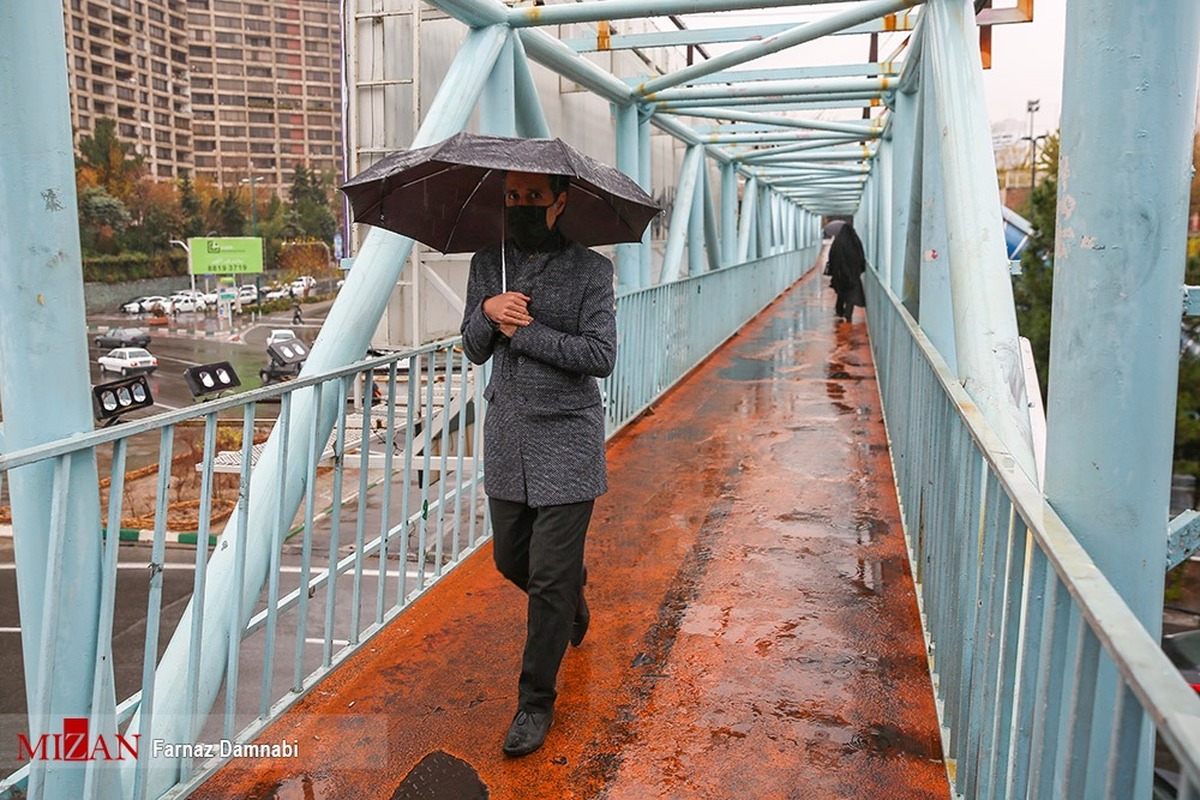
(126, 360)
(279, 292)
(123, 337)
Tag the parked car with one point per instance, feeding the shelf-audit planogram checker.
(134, 306)
(303, 285)
(279, 292)
(279, 335)
(123, 337)
(142, 305)
(196, 296)
(211, 298)
(126, 360)
(248, 293)
(187, 303)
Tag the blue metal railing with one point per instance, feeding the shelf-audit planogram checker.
(1044, 676)
(672, 327)
(426, 438)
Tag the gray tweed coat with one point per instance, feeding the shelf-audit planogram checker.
(544, 429)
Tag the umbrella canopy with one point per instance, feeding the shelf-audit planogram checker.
(450, 195)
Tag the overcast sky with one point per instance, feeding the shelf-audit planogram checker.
(1027, 64)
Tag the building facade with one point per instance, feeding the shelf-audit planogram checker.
(230, 91)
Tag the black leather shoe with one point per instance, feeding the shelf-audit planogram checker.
(527, 732)
(582, 616)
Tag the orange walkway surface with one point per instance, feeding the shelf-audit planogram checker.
(754, 626)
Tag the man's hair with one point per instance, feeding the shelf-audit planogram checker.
(559, 184)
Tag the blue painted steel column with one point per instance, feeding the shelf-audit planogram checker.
(985, 321)
(645, 180)
(695, 247)
(746, 220)
(531, 118)
(729, 188)
(902, 134)
(42, 322)
(497, 103)
(1128, 110)
(712, 237)
(685, 194)
(343, 339)
(629, 161)
(934, 307)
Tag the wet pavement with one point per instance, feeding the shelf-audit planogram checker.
(754, 626)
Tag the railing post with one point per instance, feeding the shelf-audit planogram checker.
(745, 233)
(646, 182)
(1128, 110)
(42, 322)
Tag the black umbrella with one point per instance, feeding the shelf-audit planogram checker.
(450, 195)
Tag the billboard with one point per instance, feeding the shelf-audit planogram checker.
(225, 256)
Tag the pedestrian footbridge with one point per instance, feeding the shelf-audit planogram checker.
(836, 560)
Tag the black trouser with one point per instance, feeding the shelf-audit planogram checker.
(541, 551)
(844, 306)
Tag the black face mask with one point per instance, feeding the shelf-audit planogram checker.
(527, 226)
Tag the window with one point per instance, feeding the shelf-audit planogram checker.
(233, 130)
(231, 100)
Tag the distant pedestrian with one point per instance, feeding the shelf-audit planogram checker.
(847, 262)
(297, 318)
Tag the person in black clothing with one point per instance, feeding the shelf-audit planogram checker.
(847, 262)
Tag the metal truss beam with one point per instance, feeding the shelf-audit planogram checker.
(597, 10)
(890, 68)
(906, 21)
(832, 88)
(860, 12)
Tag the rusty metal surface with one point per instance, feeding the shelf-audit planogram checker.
(754, 627)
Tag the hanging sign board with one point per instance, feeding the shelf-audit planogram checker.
(226, 255)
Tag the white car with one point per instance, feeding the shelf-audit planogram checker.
(187, 303)
(211, 298)
(143, 305)
(248, 293)
(279, 293)
(125, 360)
(279, 335)
(148, 303)
(303, 284)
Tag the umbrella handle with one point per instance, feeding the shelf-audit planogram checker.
(503, 270)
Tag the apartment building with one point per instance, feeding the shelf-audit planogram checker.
(228, 90)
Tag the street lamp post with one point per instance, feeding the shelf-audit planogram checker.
(253, 204)
(187, 250)
(1033, 141)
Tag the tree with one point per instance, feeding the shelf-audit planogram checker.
(225, 214)
(1033, 288)
(190, 206)
(308, 213)
(101, 218)
(105, 161)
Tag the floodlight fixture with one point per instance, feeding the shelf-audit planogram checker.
(211, 378)
(288, 351)
(112, 400)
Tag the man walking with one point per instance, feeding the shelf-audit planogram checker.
(542, 308)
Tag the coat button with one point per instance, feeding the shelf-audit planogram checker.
(520, 359)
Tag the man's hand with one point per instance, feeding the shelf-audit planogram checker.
(508, 310)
